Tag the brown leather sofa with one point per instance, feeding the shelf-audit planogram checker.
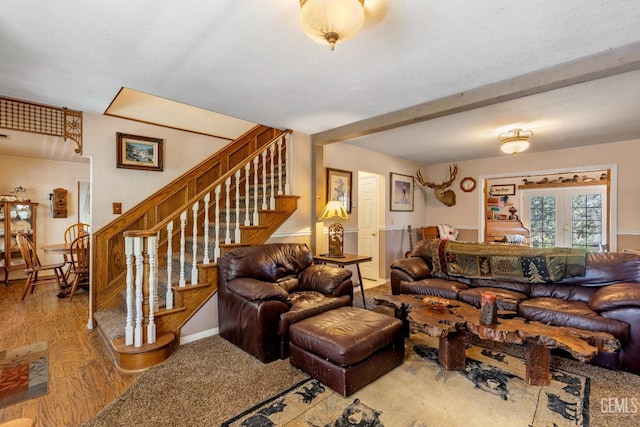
(262, 290)
(606, 298)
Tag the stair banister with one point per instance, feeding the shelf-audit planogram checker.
(146, 278)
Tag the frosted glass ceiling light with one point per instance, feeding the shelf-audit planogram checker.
(515, 141)
(331, 21)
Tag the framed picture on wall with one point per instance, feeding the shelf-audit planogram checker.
(339, 187)
(138, 152)
(401, 197)
(503, 190)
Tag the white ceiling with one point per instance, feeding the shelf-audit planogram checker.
(430, 62)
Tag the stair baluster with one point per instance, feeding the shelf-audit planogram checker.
(137, 253)
(280, 166)
(264, 180)
(247, 194)
(216, 250)
(194, 245)
(183, 241)
(255, 189)
(152, 253)
(128, 329)
(272, 199)
(237, 203)
(169, 297)
(227, 210)
(205, 255)
(287, 164)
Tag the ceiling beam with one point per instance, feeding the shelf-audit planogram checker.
(604, 64)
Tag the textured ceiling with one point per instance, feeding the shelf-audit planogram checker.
(250, 60)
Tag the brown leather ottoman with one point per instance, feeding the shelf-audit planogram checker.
(346, 348)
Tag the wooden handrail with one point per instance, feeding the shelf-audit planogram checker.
(187, 205)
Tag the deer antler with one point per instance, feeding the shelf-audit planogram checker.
(445, 184)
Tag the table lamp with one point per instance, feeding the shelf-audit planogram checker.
(335, 209)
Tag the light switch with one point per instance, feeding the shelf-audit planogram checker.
(117, 208)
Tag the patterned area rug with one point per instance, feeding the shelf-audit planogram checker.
(24, 373)
(490, 391)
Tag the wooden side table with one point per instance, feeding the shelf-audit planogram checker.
(347, 259)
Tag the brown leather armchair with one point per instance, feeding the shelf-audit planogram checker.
(262, 290)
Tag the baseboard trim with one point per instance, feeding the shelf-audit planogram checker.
(199, 335)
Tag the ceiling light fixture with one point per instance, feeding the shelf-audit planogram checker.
(331, 21)
(515, 141)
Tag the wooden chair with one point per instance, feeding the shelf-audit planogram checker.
(79, 256)
(34, 267)
(70, 234)
(430, 233)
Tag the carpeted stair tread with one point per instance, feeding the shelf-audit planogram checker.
(111, 322)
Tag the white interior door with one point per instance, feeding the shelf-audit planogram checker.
(368, 238)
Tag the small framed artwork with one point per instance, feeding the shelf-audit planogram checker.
(401, 197)
(339, 187)
(503, 190)
(138, 152)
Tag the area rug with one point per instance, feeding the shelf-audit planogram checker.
(490, 391)
(24, 373)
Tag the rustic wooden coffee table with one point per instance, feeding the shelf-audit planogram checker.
(451, 323)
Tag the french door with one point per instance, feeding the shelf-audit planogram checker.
(567, 217)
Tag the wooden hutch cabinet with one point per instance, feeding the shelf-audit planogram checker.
(15, 217)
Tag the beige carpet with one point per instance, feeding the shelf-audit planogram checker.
(490, 391)
(208, 382)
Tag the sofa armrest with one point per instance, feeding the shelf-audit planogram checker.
(611, 297)
(257, 290)
(323, 278)
(415, 267)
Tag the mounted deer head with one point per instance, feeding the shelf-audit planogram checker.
(447, 197)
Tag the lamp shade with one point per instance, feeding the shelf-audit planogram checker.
(331, 21)
(334, 209)
(515, 141)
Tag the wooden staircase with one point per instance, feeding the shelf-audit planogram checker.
(127, 251)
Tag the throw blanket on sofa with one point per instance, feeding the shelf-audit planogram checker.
(506, 262)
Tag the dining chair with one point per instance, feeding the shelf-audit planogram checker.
(430, 233)
(79, 256)
(70, 234)
(34, 267)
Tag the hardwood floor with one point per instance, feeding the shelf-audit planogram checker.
(82, 380)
